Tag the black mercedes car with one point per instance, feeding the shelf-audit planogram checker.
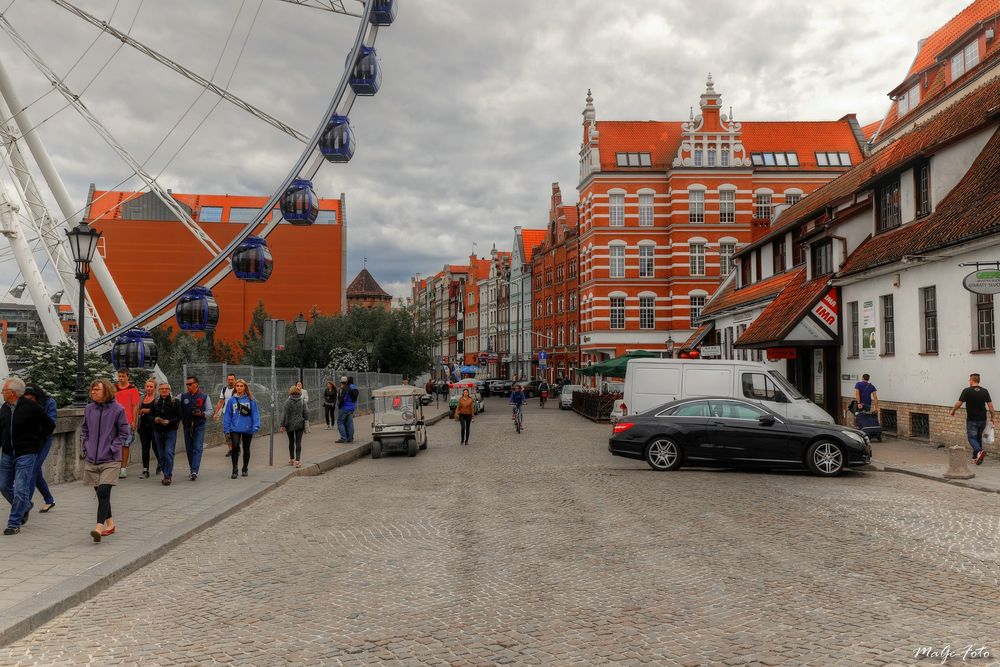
(730, 432)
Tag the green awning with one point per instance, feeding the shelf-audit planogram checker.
(615, 368)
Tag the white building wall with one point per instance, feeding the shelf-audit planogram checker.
(950, 165)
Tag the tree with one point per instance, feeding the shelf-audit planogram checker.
(343, 359)
(53, 368)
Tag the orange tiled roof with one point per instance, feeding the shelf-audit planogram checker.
(696, 337)
(869, 129)
(529, 239)
(458, 268)
(782, 314)
(662, 139)
(969, 211)
(570, 217)
(972, 113)
(730, 297)
(364, 284)
(945, 36)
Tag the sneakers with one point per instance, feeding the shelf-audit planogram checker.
(166, 481)
(234, 475)
(123, 473)
(145, 474)
(193, 477)
(979, 457)
(245, 473)
(158, 469)
(11, 530)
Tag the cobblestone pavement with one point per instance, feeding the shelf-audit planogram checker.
(542, 548)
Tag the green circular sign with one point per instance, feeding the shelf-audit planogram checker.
(983, 281)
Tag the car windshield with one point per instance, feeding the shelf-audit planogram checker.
(394, 409)
(790, 391)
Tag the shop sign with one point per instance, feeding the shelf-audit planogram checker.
(711, 350)
(984, 281)
(869, 350)
(826, 309)
(777, 353)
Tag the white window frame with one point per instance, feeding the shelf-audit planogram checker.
(616, 209)
(647, 312)
(727, 206)
(616, 261)
(726, 258)
(645, 209)
(646, 261)
(696, 258)
(617, 312)
(696, 206)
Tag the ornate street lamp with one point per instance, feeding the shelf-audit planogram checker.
(300, 330)
(82, 244)
(670, 347)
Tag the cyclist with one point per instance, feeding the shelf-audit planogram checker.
(516, 399)
(543, 393)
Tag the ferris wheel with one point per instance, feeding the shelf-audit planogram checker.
(35, 229)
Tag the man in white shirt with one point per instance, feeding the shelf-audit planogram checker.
(224, 396)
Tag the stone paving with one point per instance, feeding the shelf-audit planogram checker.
(541, 548)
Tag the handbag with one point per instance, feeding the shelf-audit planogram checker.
(245, 409)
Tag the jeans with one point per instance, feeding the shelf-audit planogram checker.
(295, 444)
(194, 443)
(166, 443)
(465, 421)
(40, 483)
(345, 424)
(236, 439)
(330, 411)
(16, 484)
(974, 432)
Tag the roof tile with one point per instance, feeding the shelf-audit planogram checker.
(782, 314)
(730, 297)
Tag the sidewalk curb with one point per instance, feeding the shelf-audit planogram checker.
(883, 467)
(29, 615)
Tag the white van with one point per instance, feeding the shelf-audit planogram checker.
(652, 382)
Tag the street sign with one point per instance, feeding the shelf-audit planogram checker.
(274, 335)
(542, 355)
(483, 359)
(711, 350)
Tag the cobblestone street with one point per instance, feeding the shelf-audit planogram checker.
(543, 548)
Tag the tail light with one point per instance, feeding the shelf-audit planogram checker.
(622, 426)
(624, 409)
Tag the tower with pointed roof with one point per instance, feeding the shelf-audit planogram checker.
(365, 292)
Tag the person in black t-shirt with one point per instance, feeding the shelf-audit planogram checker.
(977, 400)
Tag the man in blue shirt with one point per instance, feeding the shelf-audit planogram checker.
(866, 395)
(516, 399)
(194, 403)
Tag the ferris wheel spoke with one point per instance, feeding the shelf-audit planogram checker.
(335, 6)
(74, 100)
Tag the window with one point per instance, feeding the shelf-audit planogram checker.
(548, 278)
(472, 298)
(698, 153)
(647, 313)
(822, 258)
(744, 271)
(759, 386)
(852, 313)
(922, 174)
(560, 303)
(778, 255)
(726, 252)
(928, 301)
(829, 159)
(762, 206)
(888, 205)
(572, 269)
(725, 157)
(548, 306)
(237, 214)
(572, 334)
(985, 339)
(324, 217)
(645, 261)
(888, 326)
(633, 159)
(792, 198)
(538, 309)
(697, 304)
(775, 159)
(965, 59)
(210, 214)
(696, 206)
(559, 274)
(697, 259)
(734, 410)
(617, 264)
(560, 336)
(711, 157)
(617, 312)
(908, 101)
(617, 200)
(727, 206)
(693, 409)
(538, 282)
(645, 209)
(572, 301)
(798, 248)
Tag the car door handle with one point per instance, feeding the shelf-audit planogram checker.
(719, 424)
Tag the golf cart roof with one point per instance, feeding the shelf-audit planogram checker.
(399, 390)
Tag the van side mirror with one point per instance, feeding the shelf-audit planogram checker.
(766, 420)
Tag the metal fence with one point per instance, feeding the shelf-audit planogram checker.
(212, 378)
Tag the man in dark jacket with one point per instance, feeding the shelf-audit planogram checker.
(24, 426)
(194, 403)
(347, 403)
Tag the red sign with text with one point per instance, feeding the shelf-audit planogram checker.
(826, 309)
(776, 353)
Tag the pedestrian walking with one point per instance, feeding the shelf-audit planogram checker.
(144, 427)
(127, 395)
(866, 394)
(24, 426)
(105, 431)
(227, 392)
(305, 399)
(347, 403)
(194, 402)
(294, 416)
(464, 411)
(977, 400)
(429, 387)
(330, 404)
(166, 418)
(35, 393)
(240, 422)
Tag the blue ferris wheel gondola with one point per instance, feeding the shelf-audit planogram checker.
(365, 75)
(384, 12)
(337, 141)
(252, 260)
(197, 310)
(134, 349)
(299, 204)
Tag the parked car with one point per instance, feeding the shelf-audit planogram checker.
(484, 387)
(500, 387)
(530, 388)
(441, 387)
(722, 431)
(566, 395)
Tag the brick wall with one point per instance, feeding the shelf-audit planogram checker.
(945, 429)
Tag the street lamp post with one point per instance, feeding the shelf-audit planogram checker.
(369, 348)
(300, 330)
(82, 243)
(670, 347)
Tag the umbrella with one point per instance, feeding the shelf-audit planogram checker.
(615, 367)
(469, 370)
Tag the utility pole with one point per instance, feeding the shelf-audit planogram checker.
(274, 339)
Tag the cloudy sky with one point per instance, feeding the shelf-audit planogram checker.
(479, 111)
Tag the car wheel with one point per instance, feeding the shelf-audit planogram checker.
(825, 458)
(411, 447)
(663, 454)
(376, 449)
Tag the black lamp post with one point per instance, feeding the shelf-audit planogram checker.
(82, 244)
(300, 330)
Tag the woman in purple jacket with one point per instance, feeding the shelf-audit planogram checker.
(105, 430)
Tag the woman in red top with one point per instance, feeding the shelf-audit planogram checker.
(128, 397)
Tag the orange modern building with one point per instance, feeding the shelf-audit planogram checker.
(556, 285)
(665, 205)
(149, 254)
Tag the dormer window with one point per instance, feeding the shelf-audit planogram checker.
(633, 160)
(965, 59)
(829, 159)
(775, 159)
(889, 215)
(908, 101)
(698, 157)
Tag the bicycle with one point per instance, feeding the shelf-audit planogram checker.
(542, 397)
(518, 418)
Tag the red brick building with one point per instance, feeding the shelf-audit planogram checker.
(555, 276)
(665, 205)
(365, 292)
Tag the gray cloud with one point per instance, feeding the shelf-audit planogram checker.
(480, 105)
